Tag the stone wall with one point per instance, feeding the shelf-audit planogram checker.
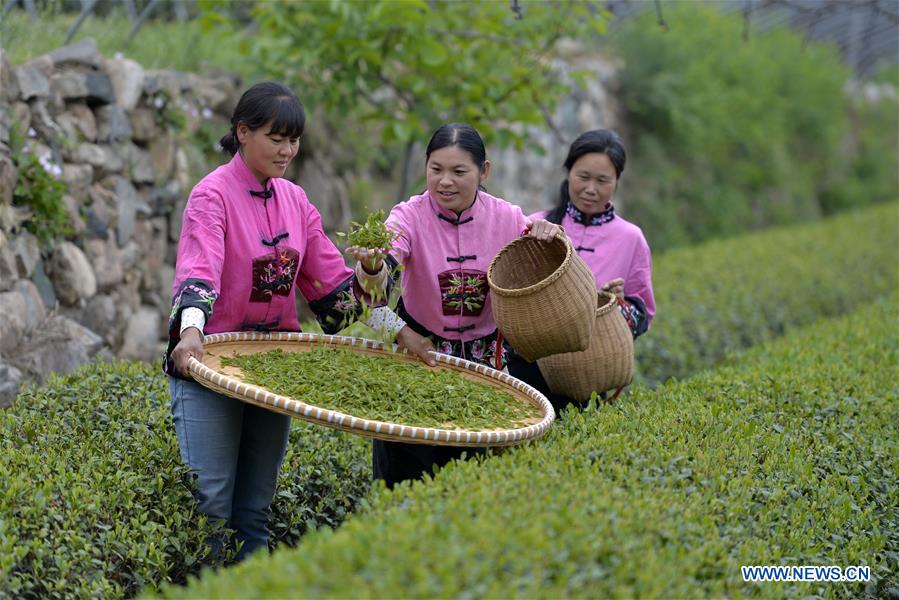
(115, 134)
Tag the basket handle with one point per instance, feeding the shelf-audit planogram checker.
(614, 396)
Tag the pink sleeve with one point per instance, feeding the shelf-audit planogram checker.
(323, 268)
(519, 215)
(398, 220)
(639, 278)
(201, 248)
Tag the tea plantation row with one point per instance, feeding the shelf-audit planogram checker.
(730, 294)
(789, 457)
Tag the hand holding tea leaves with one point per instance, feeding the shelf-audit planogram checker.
(370, 242)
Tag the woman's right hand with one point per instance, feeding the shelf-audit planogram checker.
(191, 345)
(542, 229)
(418, 345)
(371, 259)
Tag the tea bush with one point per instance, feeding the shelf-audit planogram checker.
(726, 295)
(789, 457)
(93, 499)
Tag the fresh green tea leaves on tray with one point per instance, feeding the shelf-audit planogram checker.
(383, 388)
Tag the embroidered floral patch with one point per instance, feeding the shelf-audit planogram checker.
(273, 274)
(193, 291)
(346, 302)
(598, 219)
(463, 291)
(481, 350)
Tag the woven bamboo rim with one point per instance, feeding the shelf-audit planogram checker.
(525, 291)
(611, 303)
(230, 385)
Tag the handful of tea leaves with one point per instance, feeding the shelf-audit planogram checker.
(373, 234)
(383, 388)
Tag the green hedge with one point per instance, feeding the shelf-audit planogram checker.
(789, 457)
(92, 496)
(726, 295)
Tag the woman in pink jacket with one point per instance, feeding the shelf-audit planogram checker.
(614, 249)
(250, 241)
(447, 237)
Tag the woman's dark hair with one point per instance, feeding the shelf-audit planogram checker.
(601, 141)
(462, 135)
(264, 102)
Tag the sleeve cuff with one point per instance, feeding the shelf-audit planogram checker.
(192, 317)
(385, 321)
(373, 285)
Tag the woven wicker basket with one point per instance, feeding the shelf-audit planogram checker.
(607, 364)
(543, 297)
(228, 381)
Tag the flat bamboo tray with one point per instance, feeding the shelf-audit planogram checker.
(227, 380)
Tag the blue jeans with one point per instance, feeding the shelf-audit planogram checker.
(235, 451)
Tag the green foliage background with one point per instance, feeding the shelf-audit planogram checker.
(408, 67)
(729, 134)
(152, 47)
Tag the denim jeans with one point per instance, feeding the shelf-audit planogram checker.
(235, 451)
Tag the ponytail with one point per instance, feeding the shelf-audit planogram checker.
(558, 212)
(229, 143)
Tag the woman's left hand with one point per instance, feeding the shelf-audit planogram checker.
(417, 344)
(371, 259)
(614, 286)
(543, 229)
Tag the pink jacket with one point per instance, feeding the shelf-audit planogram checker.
(240, 254)
(445, 259)
(611, 250)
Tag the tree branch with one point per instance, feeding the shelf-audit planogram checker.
(516, 8)
(662, 22)
(87, 6)
(548, 118)
(747, 18)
